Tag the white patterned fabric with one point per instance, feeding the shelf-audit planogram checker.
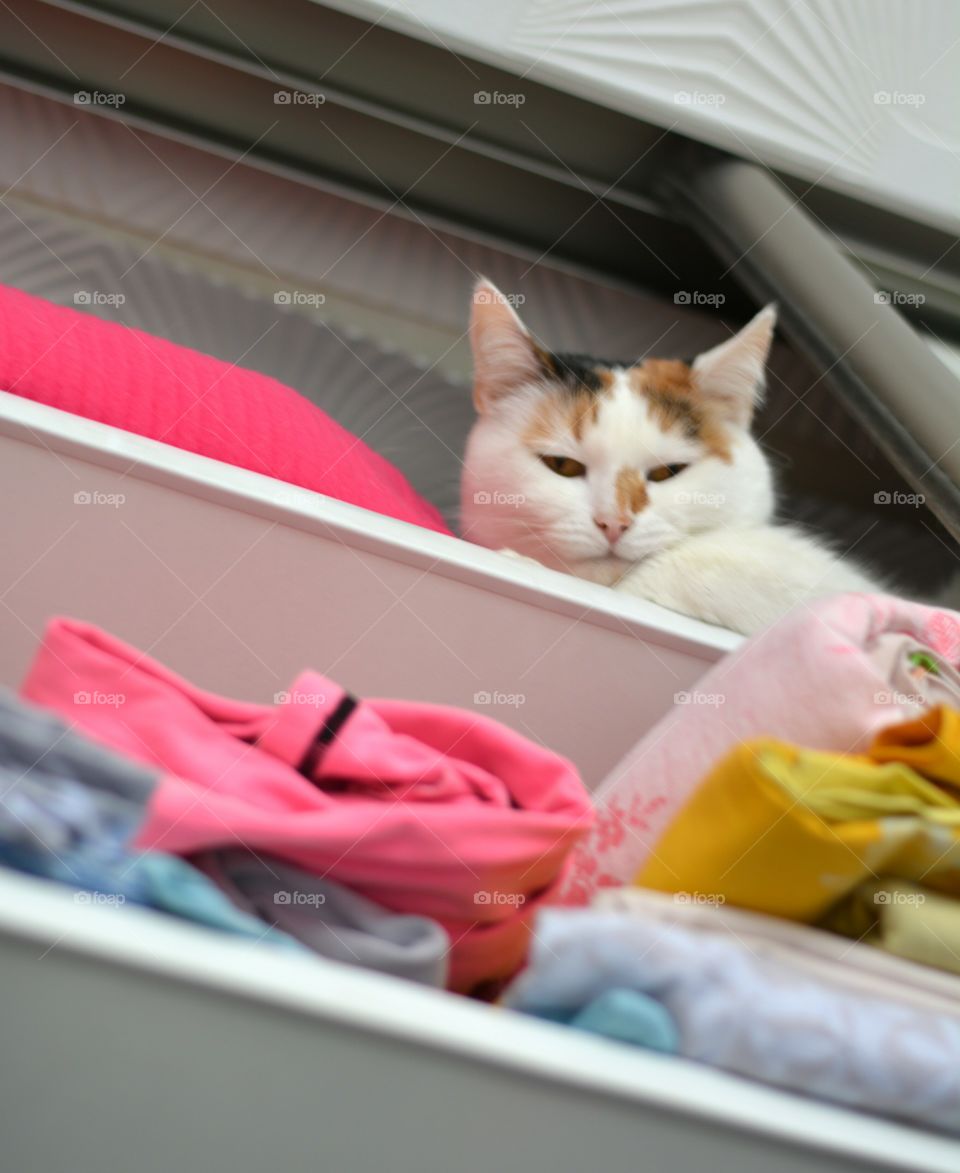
(821, 955)
(826, 676)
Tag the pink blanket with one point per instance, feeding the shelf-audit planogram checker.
(827, 676)
(421, 808)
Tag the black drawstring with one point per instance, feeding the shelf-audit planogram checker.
(332, 726)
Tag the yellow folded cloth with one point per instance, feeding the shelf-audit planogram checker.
(791, 831)
(929, 743)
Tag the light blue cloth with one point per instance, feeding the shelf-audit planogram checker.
(69, 809)
(631, 1018)
(624, 1015)
(750, 1012)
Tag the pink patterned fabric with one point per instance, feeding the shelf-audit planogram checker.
(421, 808)
(123, 377)
(813, 678)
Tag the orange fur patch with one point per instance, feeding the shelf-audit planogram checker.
(675, 402)
(631, 489)
(585, 408)
(562, 413)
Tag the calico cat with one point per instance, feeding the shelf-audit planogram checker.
(643, 477)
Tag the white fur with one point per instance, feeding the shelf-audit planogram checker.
(743, 579)
(703, 544)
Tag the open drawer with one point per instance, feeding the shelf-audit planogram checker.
(156, 1045)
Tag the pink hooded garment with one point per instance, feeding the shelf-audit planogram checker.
(422, 808)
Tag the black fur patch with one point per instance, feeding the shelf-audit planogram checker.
(576, 372)
(580, 372)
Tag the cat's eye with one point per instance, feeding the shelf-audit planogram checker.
(564, 466)
(664, 472)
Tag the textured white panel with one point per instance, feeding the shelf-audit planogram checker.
(859, 95)
(283, 234)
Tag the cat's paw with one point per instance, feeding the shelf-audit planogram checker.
(507, 552)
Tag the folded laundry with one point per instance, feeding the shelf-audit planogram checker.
(752, 1011)
(424, 809)
(792, 831)
(829, 675)
(68, 812)
(328, 917)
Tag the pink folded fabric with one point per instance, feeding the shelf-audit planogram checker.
(827, 676)
(421, 808)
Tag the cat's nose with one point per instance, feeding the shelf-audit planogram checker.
(613, 531)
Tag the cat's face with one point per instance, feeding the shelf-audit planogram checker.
(575, 461)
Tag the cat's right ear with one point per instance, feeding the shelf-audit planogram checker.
(731, 375)
(504, 355)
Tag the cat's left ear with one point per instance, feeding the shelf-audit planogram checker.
(731, 375)
(505, 357)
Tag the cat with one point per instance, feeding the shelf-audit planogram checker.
(642, 477)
